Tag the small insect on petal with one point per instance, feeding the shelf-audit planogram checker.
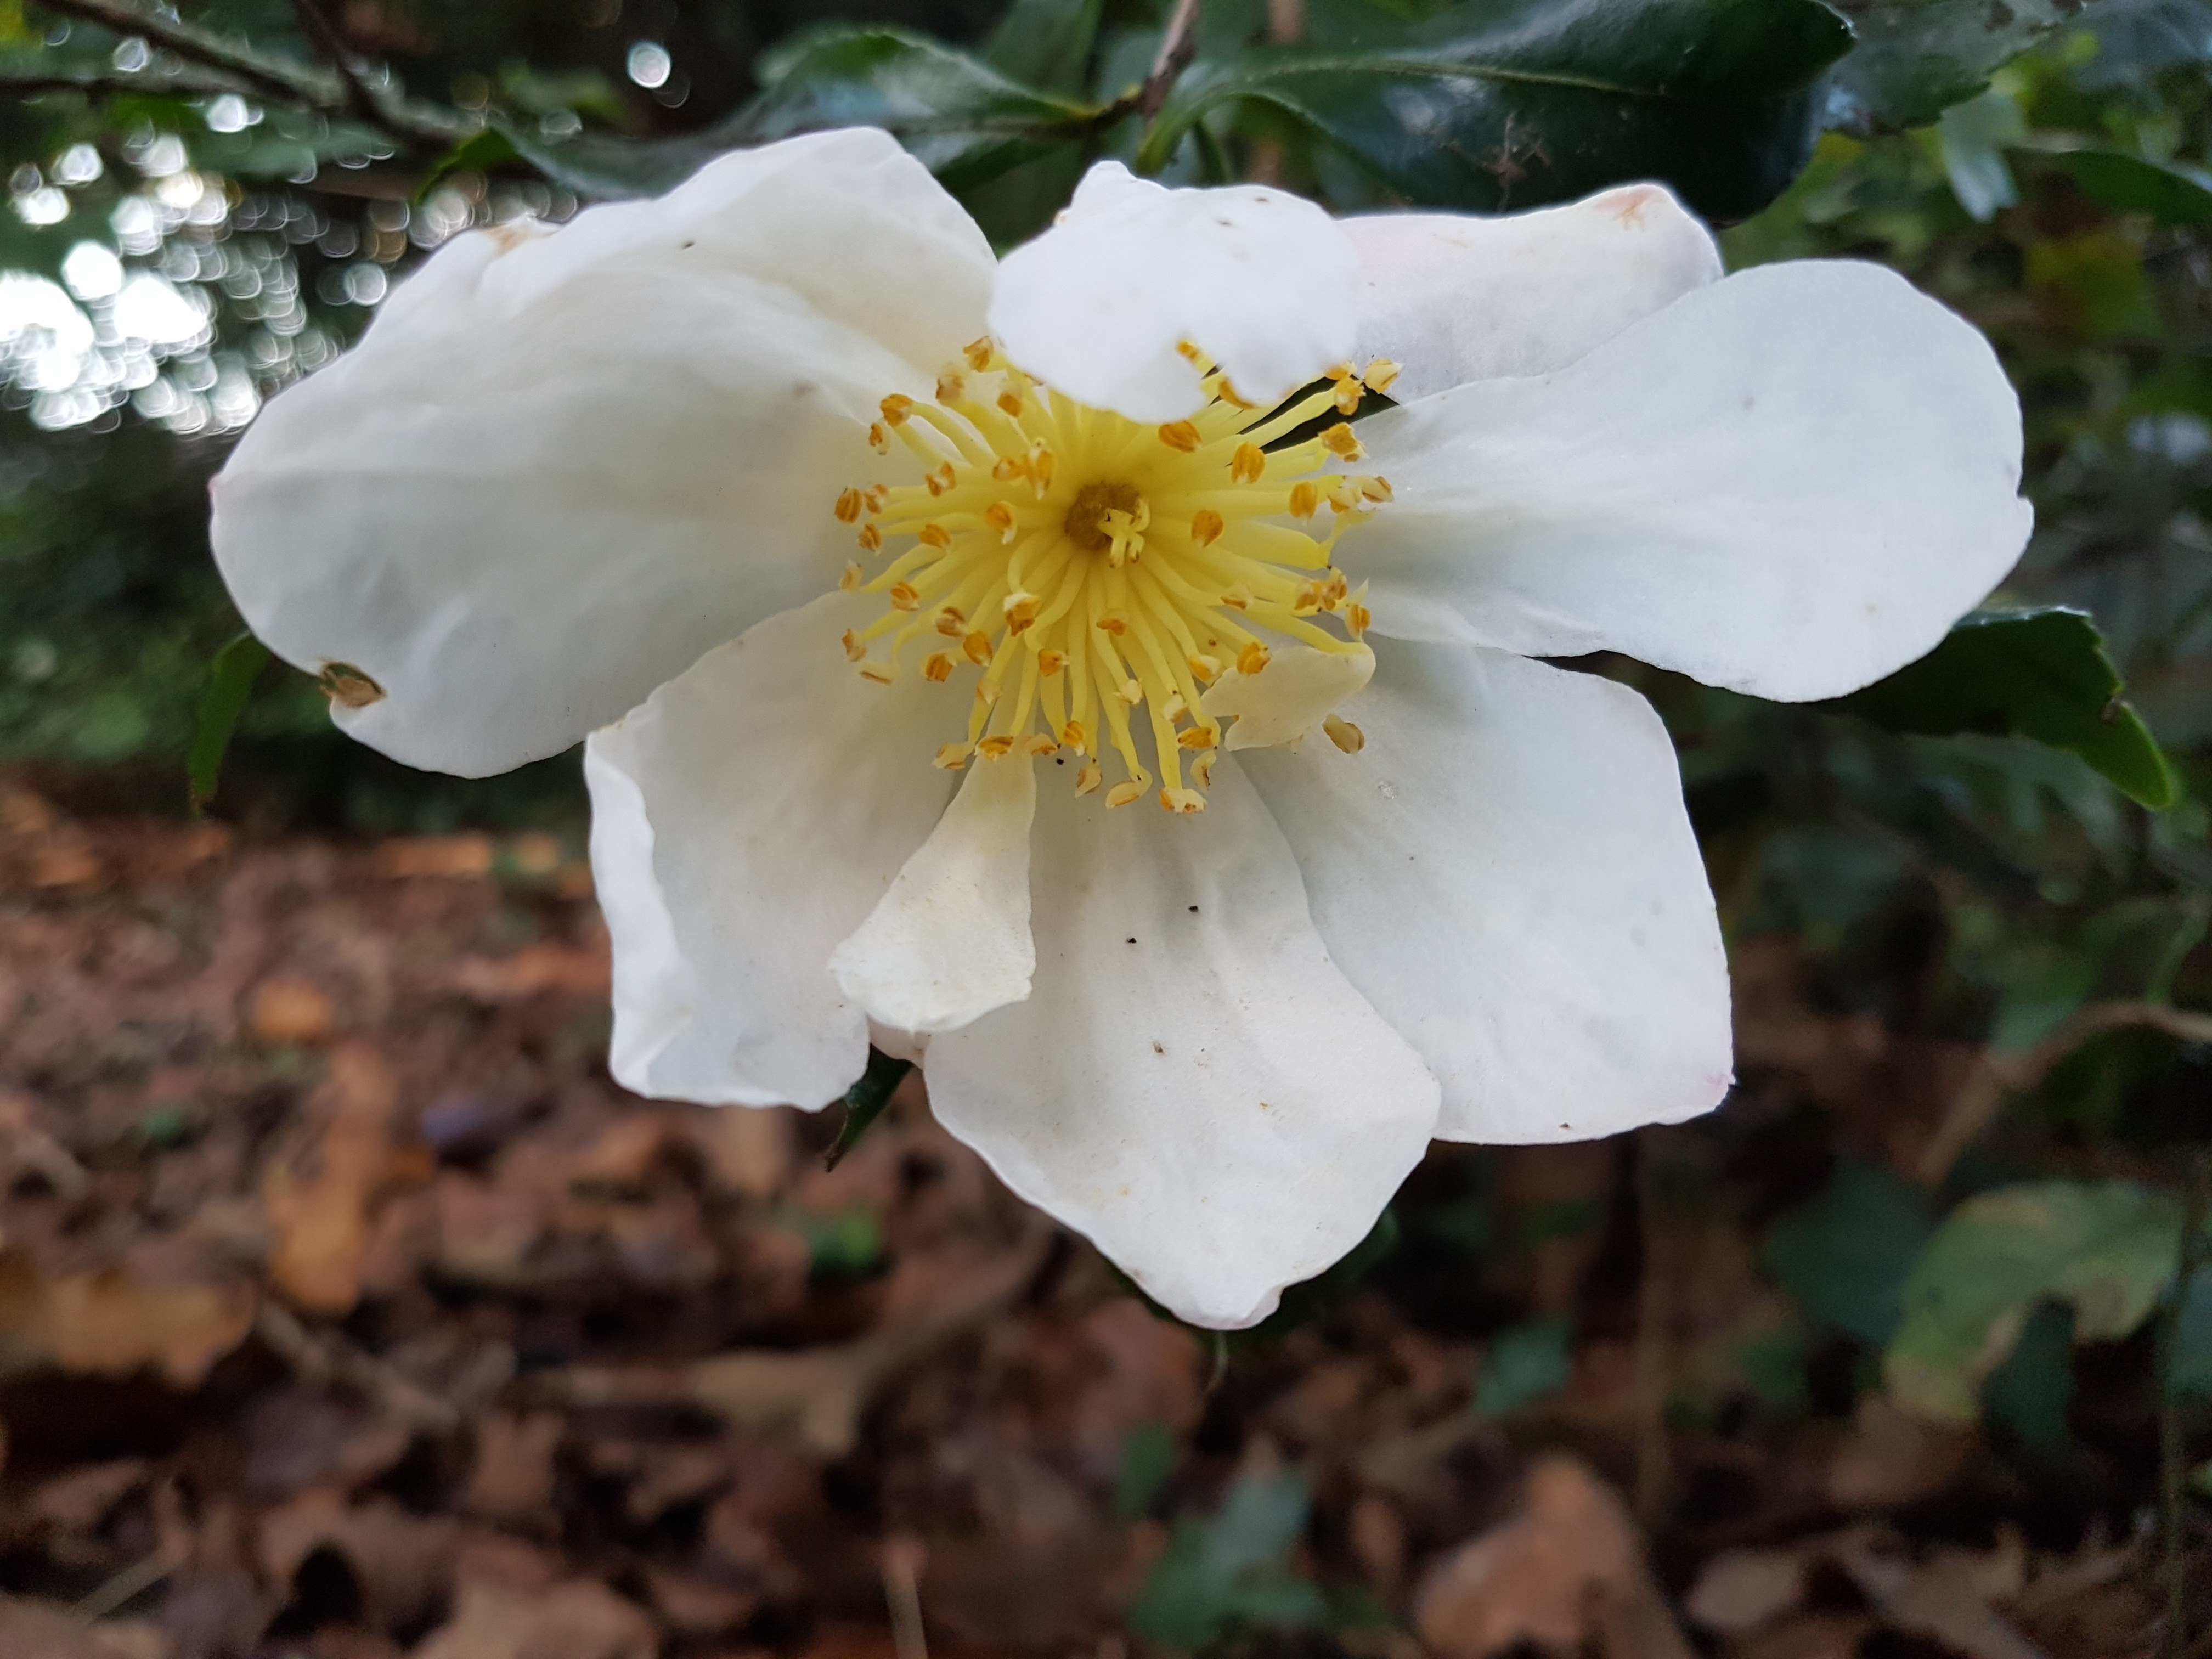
(1125, 792)
(937, 666)
(952, 757)
(849, 503)
(1247, 464)
(1180, 434)
(1344, 734)
(1252, 659)
(1205, 526)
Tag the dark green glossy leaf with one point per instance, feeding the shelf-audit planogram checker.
(481, 152)
(1844, 1256)
(1045, 43)
(1915, 59)
(866, 1100)
(1232, 1572)
(2041, 674)
(2171, 195)
(1490, 106)
(230, 682)
(1526, 1365)
(2033, 1392)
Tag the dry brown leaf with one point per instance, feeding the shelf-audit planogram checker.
(40, 1630)
(1892, 1458)
(578, 1619)
(163, 1305)
(79, 1501)
(1923, 1601)
(1567, 1576)
(450, 857)
(1740, 1590)
(318, 1191)
(532, 971)
(288, 1010)
(693, 1605)
(511, 1479)
(1811, 1635)
(404, 1563)
(749, 1150)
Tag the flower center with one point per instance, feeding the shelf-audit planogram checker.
(1095, 574)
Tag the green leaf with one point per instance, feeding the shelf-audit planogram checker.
(2108, 1251)
(2189, 1372)
(1846, 1256)
(1915, 59)
(2170, 194)
(1148, 1462)
(1233, 1571)
(2033, 1392)
(230, 682)
(866, 1100)
(2041, 674)
(1525, 1364)
(1974, 136)
(1491, 106)
(964, 120)
(1045, 43)
(480, 152)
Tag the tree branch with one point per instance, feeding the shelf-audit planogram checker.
(1177, 47)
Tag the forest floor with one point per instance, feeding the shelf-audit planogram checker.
(348, 1310)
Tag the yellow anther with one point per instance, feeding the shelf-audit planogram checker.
(1173, 708)
(1252, 659)
(897, 408)
(876, 671)
(875, 495)
(1380, 373)
(978, 354)
(987, 692)
(849, 503)
(941, 479)
(1305, 498)
(1114, 623)
(950, 623)
(1358, 619)
(1374, 487)
(1180, 434)
(996, 748)
(952, 757)
(855, 647)
(1205, 669)
(853, 576)
(1236, 598)
(1199, 736)
(1340, 373)
(1010, 402)
(1205, 526)
(937, 666)
(903, 597)
(1182, 802)
(1041, 465)
(1051, 662)
(951, 386)
(1308, 598)
(878, 440)
(977, 645)
(1122, 793)
(1020, 610)
(1007, 468)
(1130, 692)
(1247, 464)
(1344, 734)
(1342, 441)
(870, 538)
(934, 535)
(1201, 770)
(1089, 776)
(1190, 350)
(1037, 744)
(1348, 394)
(1000, 517)
(1072, 736)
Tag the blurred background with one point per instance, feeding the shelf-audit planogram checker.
(348, 1310)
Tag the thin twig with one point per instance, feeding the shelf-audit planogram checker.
(2171, 1472)
(324, 1357)
(1177, 47)
(1655, 1461)
(271, 76)
(330, 45)
(902, 1564)
(99, 82)
(136, 1579)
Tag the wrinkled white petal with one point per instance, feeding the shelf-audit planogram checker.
(1287, 698)
(1263, 282)
(1192, 1083)
(1454, 297)
(562, 465)
(1506, 872)
(950, 940)
(779, 794)
(1789, 483)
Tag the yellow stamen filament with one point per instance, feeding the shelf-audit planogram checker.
(1096, 574)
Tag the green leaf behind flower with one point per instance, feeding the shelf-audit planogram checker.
(2041, 674)
(1917, 57)
(230, 681)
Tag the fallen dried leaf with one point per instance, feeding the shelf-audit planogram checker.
(511, 1479)
(1892, 1458)
(1740, 1590)
(578, 1619)
(1567, 1576)
(163, 1305)
(39, 1630)
(1921, 1601)
(319, 1189)
(404, 1563)
(285, 1010)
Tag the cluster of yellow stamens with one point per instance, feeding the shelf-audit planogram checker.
(1093, 569)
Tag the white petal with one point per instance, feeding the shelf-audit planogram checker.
(777, 795)
(1789, 483)
(1192, 1083)
(950, 940)
(1507, 872)
(1287, 698)
(1453, 297)
(1265, 282)
(562, 466)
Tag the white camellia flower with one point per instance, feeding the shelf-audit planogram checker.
(897, 589)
